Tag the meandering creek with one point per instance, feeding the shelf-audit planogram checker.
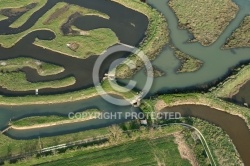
(217, 65)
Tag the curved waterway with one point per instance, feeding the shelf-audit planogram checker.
(233, 125)
(243, 95)
(130, 27)
(217, 64)
(19, 112)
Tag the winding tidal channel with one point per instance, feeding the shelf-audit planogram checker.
(217, 65)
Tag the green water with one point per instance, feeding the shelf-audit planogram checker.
(217, 62)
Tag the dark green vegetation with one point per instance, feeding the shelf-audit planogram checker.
(241, 36)
(209, 19)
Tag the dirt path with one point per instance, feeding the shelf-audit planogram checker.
(184, 150)
(160, 104)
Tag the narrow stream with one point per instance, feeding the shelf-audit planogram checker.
(233, 125)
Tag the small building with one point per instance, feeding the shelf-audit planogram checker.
(143, 122)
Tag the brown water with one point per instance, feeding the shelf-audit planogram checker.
(243, 96)
(233, 125)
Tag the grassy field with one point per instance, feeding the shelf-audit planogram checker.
(143, 145)
(156, 35)
(95, 43)
(205, 19)
(160, 151)
(241, 36)
(16, 81)
(10, 146)
(219, 142)
(42, 68)
(188, 63)
(40, 120)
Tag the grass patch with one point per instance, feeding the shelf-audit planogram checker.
(205, 19)
(16, 81)
(93, 44)
(99, 40)
(40, 120)
(2, 17)
(241, 36)
(36, 120)
(9, 4)
(42, 68)
(188, 63)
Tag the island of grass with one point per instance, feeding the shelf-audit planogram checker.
(152, 44)
(205, 19)
(241, 36)
(25, 7)
(2, 17)
(93, 44)
(21, 20)
(43, 69)
(188, 63)
(47, 121)
(14, 79)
